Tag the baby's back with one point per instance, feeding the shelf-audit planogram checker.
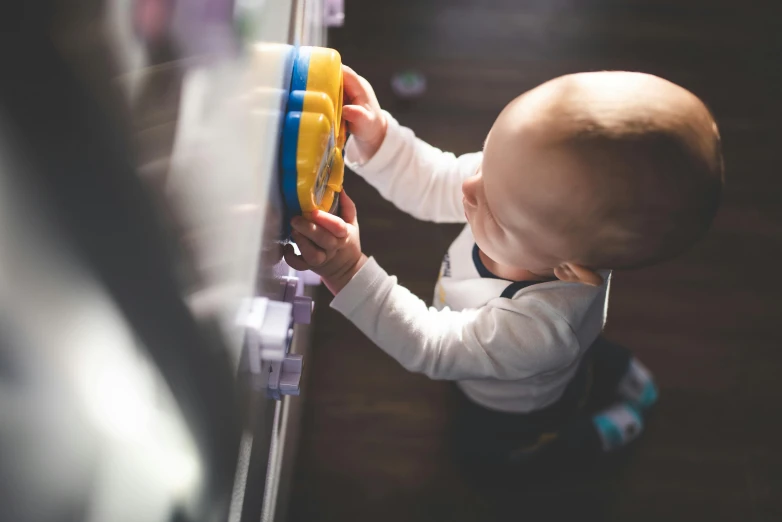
(538, 336)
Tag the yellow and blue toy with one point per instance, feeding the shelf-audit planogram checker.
(313, 134)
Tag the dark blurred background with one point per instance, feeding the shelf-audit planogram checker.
(374, 437)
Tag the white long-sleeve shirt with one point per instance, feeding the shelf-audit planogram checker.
(515, 353)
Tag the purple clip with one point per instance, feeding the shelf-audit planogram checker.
(283, 377)
(290, 375)
(302, 309)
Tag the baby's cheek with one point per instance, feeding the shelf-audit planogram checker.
(511, 249)
(493, 228)
(476, 222)
(492, 235)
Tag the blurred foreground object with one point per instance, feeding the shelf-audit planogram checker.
(139, 208)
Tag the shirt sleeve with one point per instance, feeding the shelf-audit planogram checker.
(506, 339)
(419, 179)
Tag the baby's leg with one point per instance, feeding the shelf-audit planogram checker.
(495, 440)
(606, 431)
(486, 440)
(619, 374)
(491, 442)
(611, 428)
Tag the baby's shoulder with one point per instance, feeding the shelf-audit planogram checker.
(555, 300)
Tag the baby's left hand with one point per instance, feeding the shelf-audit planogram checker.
(329, 245)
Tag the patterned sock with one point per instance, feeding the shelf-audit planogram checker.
(618, 425)
(637, 386)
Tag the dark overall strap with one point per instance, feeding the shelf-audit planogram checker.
(512, 288)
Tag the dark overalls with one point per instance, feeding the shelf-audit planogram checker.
(493, 438)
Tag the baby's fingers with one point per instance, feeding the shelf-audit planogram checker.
(332, 225)
(355, 90)
(294, 261)
(357, 116)
(347, 208)
(328, 237)
(313, 255)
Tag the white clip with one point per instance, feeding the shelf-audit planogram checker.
(268, 326)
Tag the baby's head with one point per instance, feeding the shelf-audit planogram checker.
(593, 171)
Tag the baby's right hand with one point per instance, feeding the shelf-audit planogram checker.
(366, 122)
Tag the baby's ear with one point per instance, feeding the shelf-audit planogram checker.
(575, 273)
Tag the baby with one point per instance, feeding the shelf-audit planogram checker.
(582, 175)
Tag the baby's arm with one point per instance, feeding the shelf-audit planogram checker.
(501, 340)
(506, 339)
(423, 181)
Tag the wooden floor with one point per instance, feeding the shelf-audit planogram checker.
(709, 325)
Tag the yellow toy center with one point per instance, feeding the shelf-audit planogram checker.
(319, 163)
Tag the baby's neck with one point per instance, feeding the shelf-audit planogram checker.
(512, 273)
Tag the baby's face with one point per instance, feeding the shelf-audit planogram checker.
(504, 244)
(514, 202)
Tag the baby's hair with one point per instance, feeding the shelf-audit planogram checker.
(667, 189)
(635, 162)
